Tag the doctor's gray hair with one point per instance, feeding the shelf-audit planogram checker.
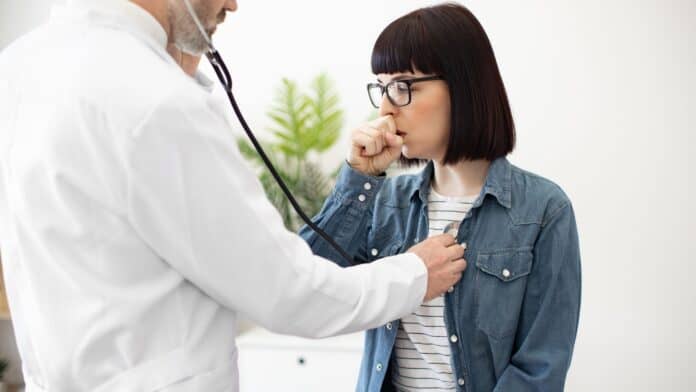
(184, 32)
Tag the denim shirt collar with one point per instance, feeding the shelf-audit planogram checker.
(498, 183)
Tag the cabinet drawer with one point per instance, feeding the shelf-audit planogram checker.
(269, 362)
(265, 369)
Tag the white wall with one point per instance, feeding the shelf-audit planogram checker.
(603, 95)
(19, 16)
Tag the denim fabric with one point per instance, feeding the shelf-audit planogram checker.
(513, 317)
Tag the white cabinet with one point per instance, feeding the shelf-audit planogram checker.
(269, 362)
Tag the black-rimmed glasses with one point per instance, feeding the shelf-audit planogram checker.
(398, 91)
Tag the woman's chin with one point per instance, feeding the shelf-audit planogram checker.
(410, 153)
(406, 152)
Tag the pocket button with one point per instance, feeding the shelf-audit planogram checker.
(506, 273)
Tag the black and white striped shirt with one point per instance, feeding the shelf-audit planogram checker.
(422, 349)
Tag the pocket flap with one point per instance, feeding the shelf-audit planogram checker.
(506, 266)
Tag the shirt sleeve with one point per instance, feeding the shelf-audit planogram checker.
(346, 216)
(197, 204)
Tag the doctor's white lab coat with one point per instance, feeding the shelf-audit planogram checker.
(132, 231)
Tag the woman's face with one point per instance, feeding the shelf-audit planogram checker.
(424, 123)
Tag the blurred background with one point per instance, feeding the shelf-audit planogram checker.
(604, 98)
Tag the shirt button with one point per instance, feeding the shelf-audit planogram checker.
(374, 252)
(389, 325)
(453, 339)
(379, 367)
(367, 186)
(506, 273)
(361, 197)
(460, 381)
(451, 289)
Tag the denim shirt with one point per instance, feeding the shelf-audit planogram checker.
(513, 317)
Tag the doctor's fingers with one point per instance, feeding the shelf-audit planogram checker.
(457, 266)
(443, 239)
(455, 251)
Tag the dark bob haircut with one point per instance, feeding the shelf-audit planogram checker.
(449, 41)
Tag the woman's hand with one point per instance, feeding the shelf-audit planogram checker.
(374, 146)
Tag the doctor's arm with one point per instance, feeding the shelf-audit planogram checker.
(194, 200)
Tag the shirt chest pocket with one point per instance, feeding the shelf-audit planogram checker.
(501, 280)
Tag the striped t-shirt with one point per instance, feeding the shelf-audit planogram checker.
(422, 349)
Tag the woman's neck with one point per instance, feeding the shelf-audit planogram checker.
(465, 178)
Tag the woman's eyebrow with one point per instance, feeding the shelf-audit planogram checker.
(399, 77)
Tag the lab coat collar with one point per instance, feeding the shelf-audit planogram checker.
(120, 14)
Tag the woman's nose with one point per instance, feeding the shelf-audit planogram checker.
(387, 107)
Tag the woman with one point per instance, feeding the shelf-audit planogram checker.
(510, 323)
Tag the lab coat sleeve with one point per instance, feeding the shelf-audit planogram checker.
(196, 203)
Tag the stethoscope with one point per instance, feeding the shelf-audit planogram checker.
(223, 75)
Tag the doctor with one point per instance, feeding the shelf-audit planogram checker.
(132, 231)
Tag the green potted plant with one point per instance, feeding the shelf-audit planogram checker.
(305, 125)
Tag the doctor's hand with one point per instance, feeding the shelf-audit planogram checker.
(444, 259)
(374, 146)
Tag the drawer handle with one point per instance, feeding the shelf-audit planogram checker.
(301, 361)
